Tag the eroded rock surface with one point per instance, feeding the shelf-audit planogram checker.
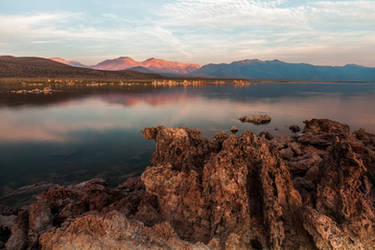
(311, 191)
(234, 129)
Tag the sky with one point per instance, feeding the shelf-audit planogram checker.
(198, 31)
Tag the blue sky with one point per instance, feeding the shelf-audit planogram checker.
(199, 31)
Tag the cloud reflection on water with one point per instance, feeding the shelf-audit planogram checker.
(132, 112)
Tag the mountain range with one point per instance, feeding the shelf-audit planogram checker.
(246, 69)
(149, 65)
(278, 70)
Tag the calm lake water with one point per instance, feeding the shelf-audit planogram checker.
(67, 138)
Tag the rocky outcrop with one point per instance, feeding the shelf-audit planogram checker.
(311, 191)
(294, 128)
(23, 196)
(114, 231)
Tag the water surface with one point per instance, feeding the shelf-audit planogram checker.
(67, 138)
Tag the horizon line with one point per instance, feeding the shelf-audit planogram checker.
(174, 61)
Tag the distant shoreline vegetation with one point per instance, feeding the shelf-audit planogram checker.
(47, 86)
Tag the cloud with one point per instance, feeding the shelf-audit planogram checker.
(201, 31)
(343, 13)
(224, 14)
(66, 25)
(243, 28)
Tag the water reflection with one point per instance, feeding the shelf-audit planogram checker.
(76, 136)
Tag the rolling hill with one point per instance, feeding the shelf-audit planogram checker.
(40, 67)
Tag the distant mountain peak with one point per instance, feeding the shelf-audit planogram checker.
(155, 60)
(247, 61)
(151, 59)
(153, 64)
(354, 65)
(125, 58)
(250, 61)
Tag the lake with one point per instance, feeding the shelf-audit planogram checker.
(70, 137)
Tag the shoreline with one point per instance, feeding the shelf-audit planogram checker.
(311, 190)
(18, 80)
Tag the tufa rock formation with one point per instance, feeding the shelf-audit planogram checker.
(311, 191)
(294, 128)
(234, 129)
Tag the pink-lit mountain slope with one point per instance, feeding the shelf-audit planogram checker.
(153, 64)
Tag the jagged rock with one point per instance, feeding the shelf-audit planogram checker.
(326, 233)
(304, 162)
(18, 239)
(256, 119)
(265, 134)
(312, 174)
(294, 128)
(226, 202)
(234, 129)
(295, 147)
(23, 196)
(287, 153)
(40, 220)
(318, 126)
(13, 228)
(311, 191)
(247, 198)
(185, 146)
(113, 231)
(281, 142)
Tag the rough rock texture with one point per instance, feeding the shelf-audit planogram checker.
(294, 128)
(234, 129)
(23, 196)
(113, 231)
(256, 119)
(311, 191)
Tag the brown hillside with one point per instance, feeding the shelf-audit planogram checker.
(40, 67)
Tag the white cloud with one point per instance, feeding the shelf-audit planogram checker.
(202, 31)
(343, 13)
(222, 14)
(243, 28)
(65, 25)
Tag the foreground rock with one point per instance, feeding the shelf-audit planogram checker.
(312, 191)
(23, 196)
(256, 119)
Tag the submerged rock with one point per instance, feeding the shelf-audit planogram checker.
(256, 119)
(311, 191)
